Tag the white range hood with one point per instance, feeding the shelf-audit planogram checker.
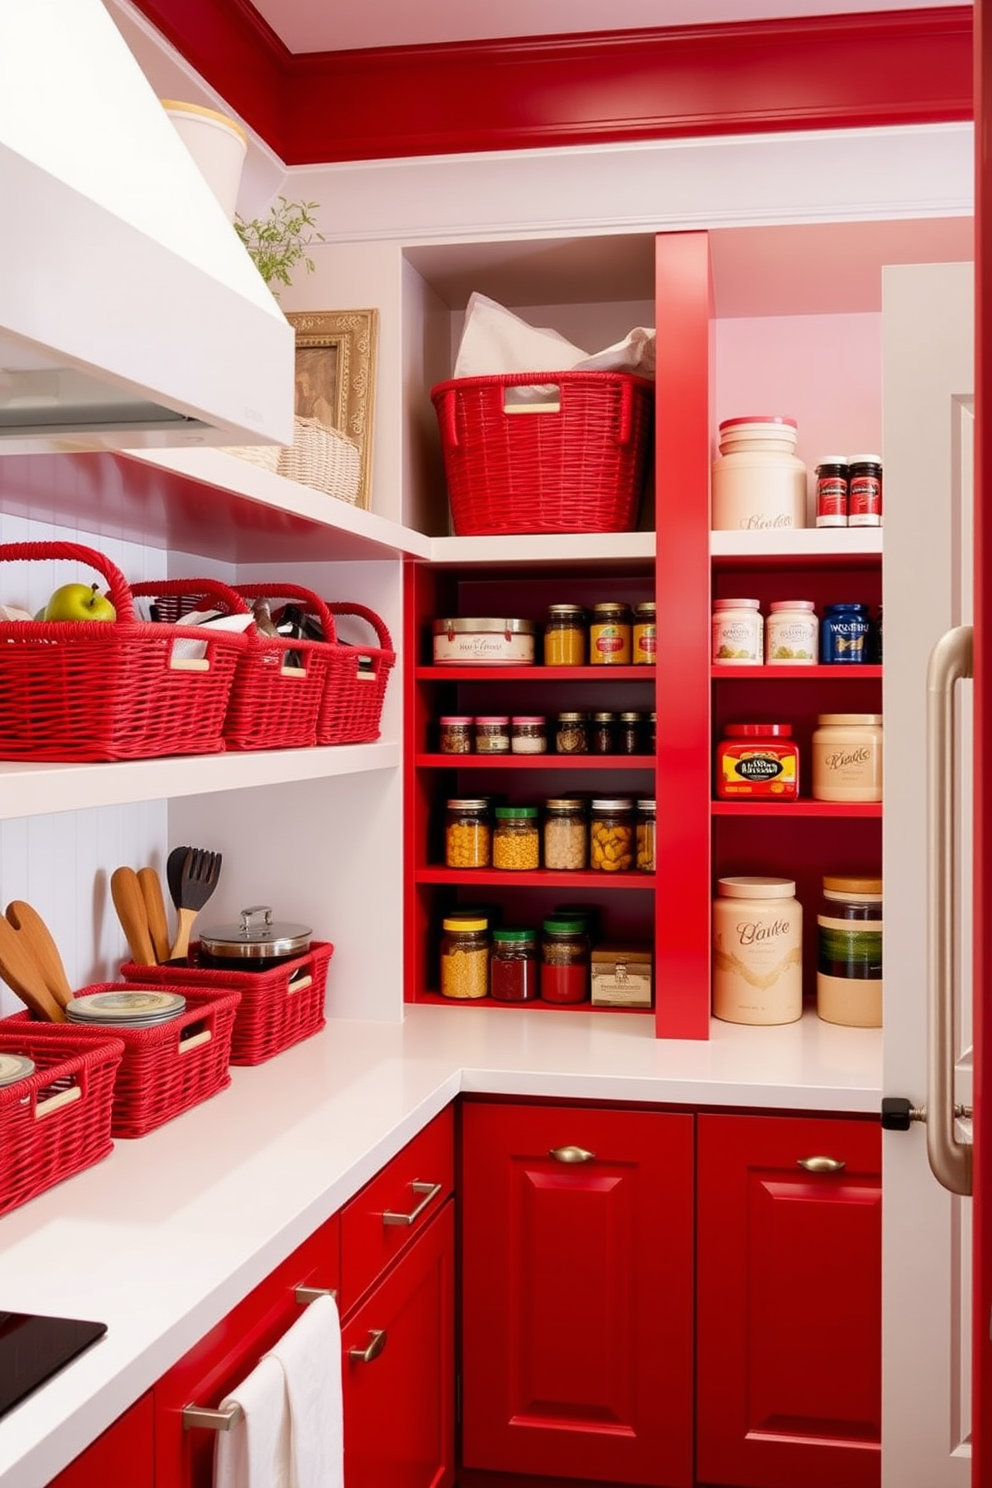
(131, 315)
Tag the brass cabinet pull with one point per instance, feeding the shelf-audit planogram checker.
(211, 1420)
(306, 1294)
(822, 1164)
(429, 1190)
(572, 1155)
(376, 1344)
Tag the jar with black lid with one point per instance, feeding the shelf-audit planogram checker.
(644, 635)
(610, 634)
(864, 491)
(630, 736)
(603, 735)
(513, 966)
(565, 636)
(572, 733)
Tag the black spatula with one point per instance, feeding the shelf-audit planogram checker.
(195, 881)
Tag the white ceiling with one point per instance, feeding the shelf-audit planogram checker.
(332, 25)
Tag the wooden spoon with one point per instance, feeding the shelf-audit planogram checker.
(158, 924)
(129, 903)
(41, 945)
(21, 973)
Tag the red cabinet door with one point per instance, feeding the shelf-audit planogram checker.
(123, 1454)
(788, 1332)
(577, 1292)
(399, 1399)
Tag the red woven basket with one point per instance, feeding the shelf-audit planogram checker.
(278, 1008)
(96, 690)
(278, 685)
(351, 709)
(167, 1068)
(573, 461)
(57, 1121)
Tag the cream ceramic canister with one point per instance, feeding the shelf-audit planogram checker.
(757, 951)
(758, 482)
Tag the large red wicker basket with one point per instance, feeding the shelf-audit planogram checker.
(278, 1008)
(56, 1121)
(572, 461)
(108, 690)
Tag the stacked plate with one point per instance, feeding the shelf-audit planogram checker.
(138, 1009)
(14, 1067)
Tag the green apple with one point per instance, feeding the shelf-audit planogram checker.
(79, 602)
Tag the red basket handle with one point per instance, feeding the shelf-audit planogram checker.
(312, 602)
(208, 588)
(118, 591)
(343, 607)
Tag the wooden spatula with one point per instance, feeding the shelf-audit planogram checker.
(129, 903)
(21, 973)
(158, 925)
(41, 945)
(197, 881)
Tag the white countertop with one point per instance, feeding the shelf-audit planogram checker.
(165, 1235)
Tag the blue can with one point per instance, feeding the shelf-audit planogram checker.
(845, 635)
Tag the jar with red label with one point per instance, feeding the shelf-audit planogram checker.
(864, 492)
(832, 476)
(757, 762)
(565, 961)
(644, 637)
(610, 635)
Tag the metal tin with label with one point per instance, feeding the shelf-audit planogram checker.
(489, 641)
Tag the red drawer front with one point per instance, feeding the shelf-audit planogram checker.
(369, 1241)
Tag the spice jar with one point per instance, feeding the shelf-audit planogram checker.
(629, 737)
(644, 636)
(464, 959)
(757, 761)
(757, 951)
(513, 969)
(492, 735)
(516, 840)
(652, 733)
(528, 736)
(847, 757)
(845, 634)
(565, 834)
(831, 491)
(565, 636)
(467, 837)
(604, 733)
(849, 952)
(572, 733)
(738, 632)
(610, 635)
(645, 835)
(864, 495)
(758, 482)
(791, 633)
(611, 835)
(456, 735)
(564, 961)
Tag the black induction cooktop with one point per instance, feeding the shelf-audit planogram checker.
(33, 1348)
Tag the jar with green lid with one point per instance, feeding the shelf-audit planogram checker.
(572, 733)
(849, 952)
(611, 834)
(467, 833)
(516, 838)
(603, 733)
(513, 968)
(610, 635)
(565, 834)
(565, 961)
(565, 636)
(464, 959)
(644, 835)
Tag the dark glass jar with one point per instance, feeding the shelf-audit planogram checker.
(629, 739)
(565, 961)
(513, 967)
(603, 734)
(455, 734)
(572, 733)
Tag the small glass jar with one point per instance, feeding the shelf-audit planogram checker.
(467, 833)
(629, 739)
(845, 635)
(603, 734)
(611, 835)
(738, 632)
(849, 952)
(847, 757)
(464, 959)
(516, 839)
(528, 735)
(757, 951)
(644, 636)
(565, 959)
(652, 740)
(644, 836)
(565, 636)
(455, 735)
(610, 635)
(492, 735)
(791, 633)
(566, 837)
(513, 966)
(572, 733)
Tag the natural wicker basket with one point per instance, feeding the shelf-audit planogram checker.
(320, 457)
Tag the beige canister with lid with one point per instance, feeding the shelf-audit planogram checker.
(847, 757)
(757, 950)
(758, 482)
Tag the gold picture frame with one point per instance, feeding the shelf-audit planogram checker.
(335, 377)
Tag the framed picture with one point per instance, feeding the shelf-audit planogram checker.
(335, 377)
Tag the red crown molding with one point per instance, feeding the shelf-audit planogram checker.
(898, 67)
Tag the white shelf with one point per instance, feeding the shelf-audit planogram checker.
(36, 789)
(799, 542)
(545, 548)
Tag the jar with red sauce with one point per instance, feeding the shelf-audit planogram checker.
(565, 961)
(513, 970)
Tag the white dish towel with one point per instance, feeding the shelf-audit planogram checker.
(310, 1355)
(255, 1452)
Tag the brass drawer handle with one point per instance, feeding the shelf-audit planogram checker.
(307, 1294)
(211, 1420)
(822, 1164)
(430, 1191)
(376, 1344)
(572, 1155)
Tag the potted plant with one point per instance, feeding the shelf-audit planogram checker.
(278, 242)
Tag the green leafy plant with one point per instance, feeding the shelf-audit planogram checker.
(278, 242)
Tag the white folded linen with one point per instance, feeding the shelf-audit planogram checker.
(310, 1356)
(255, 1452)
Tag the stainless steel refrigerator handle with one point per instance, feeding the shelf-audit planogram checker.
(950, 662)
